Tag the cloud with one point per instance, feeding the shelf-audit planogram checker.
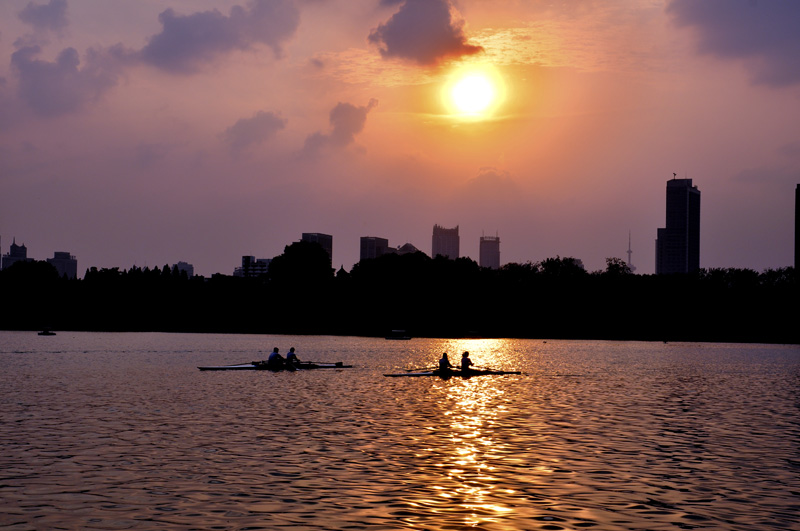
(347, 121)
(423, 31)
(764, 35)
(186, 42)
(59, 87)
(183, 46)
(255, 130)
(46, 17)
(492, 189)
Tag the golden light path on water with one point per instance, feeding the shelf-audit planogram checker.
(474, 442)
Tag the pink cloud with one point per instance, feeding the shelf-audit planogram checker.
(186, 42)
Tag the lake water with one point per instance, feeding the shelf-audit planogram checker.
(121, 431)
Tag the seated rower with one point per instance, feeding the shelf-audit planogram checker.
(466, 363)
(275, 360)
(292, 359)
(444, 364)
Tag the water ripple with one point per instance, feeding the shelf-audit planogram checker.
(120, 431)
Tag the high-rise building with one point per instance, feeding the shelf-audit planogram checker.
(65, 264)
(372, 247)
(678, 244)
(325, 240)
(490, 252)
(17, 253)
(797, 228)
(445, 242)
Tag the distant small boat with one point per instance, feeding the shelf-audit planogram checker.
(47, 332)
(454, 372)
(263, 366)
(399, 335)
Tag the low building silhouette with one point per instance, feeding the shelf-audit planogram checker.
(373, 247)
(65, 264)
(406, 248)
(325, 240)
(185, 267)
(252, 267)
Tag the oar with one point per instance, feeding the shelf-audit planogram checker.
(422, 369)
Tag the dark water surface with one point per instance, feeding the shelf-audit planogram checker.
(121, 431)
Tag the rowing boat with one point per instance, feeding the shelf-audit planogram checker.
(262, 366)
(464, 374)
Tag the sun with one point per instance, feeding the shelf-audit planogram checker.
(473, 93)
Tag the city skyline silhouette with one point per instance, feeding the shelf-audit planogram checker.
(127, 140)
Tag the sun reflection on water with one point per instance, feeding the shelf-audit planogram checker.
(473, 443)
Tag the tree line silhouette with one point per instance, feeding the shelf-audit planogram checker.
(432, 297)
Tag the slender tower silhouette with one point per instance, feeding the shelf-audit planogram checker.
(630, 252)
(678, 244)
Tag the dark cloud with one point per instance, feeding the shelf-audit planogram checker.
(58, 87)
(764, 35)
(49, 17)
(186, 42)
(253, 130)
(347, 121)
(423, 31)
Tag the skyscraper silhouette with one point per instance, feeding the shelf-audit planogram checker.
(796, 228)
(445, 242)
(678, 244)
(490, 252)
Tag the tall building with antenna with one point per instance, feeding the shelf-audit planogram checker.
(678, 244)
(796, 228)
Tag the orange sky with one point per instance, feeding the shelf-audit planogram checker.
(148, 132)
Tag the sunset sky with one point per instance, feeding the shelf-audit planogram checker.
(144, 132)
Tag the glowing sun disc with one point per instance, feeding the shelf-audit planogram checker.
(473, 94)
